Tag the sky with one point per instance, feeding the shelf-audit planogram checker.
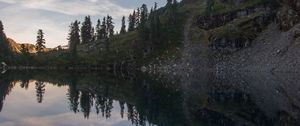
(23, 18)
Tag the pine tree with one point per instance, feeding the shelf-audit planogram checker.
(105, 32)
(155, 6)
(144, 15)
(40, 42)
(123, 27)
(110, 26)
(93, 35)
(171, 30)
(175, 2)
(1, 27)
(74, 37)
(98, 30)
(144, 32)
(171, 12)
(169, 3)
(131, 23)
(137, 19)
(4, 47)
(104, 29)
(154, 26)
(86, 30)
(152, 23)
(2, 38)
(107, 25)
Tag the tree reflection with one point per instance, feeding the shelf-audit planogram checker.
(6, 85)
(122, 107)
(73, 96)
(40, 90)
(139, 100)
(24, 84)
(86, 102)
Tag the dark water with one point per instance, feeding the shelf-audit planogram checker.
(41, 98)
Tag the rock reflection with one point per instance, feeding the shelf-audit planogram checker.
(230, 99)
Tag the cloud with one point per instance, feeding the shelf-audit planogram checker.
(74, 7)
(8, 1)
(23, 18)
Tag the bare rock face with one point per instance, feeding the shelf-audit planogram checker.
(208, 22)
(13, 46)
(289, 14)
(18, 48)
(30, 48)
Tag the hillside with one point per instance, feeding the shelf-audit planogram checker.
(217, 35)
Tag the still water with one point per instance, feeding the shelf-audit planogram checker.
(43, 98)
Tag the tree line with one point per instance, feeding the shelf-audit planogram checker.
(85, 34)
(147, 24)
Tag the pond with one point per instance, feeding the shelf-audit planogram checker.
(73, 98)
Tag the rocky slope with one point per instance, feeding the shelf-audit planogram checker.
(272, 45)
(273, 50)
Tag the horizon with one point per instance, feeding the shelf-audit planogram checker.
(55, 16)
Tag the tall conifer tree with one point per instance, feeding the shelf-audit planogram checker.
(137, 18)
(110, 26)
(131, 23)
(4, 48)
(74, 37)
(87, 30)
(40, 42)
(144, 32)
(104, 29)
(123, 27)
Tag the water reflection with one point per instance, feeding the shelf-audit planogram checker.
(137, 100)
(208, 99)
